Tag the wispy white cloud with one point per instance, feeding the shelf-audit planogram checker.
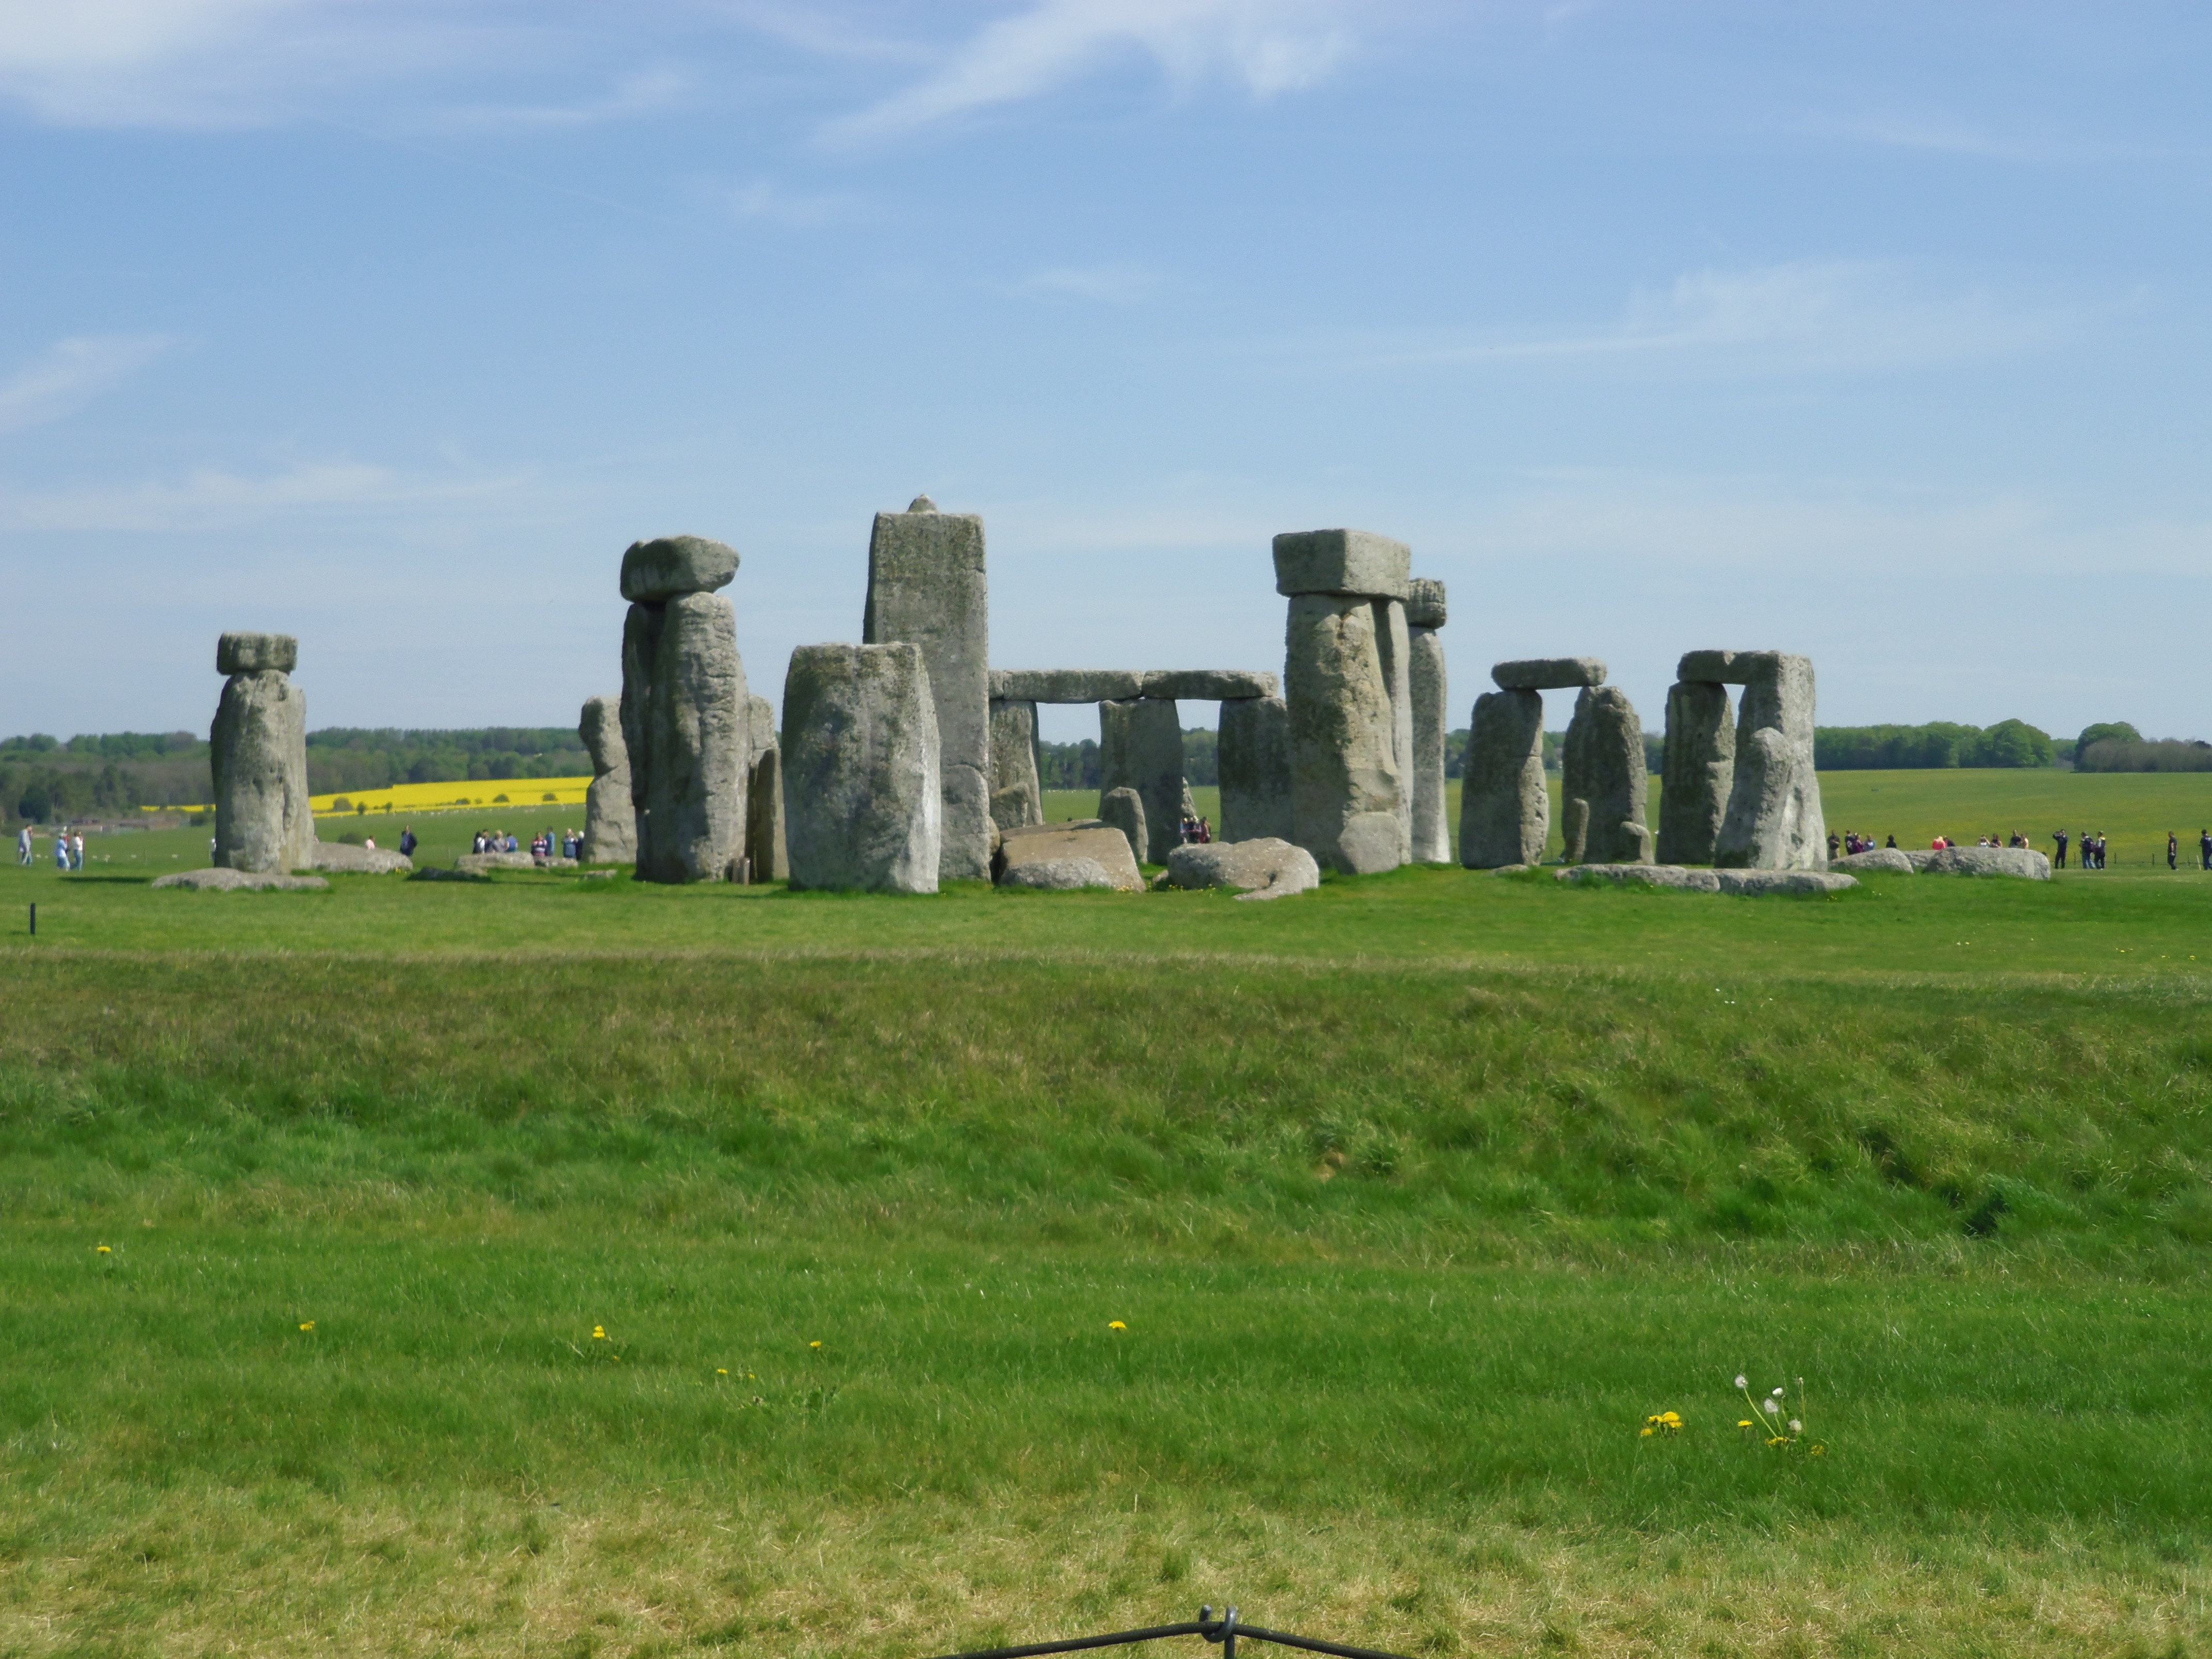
(1111, 284)
(1269, 46)
(71, 373)
(215, 497)
(649, 92)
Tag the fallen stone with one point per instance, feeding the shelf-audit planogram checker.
(434, 873)
(1774, 820)
(1351, 797)
(1752, 882)
(1504, 809)
(863, 802)
(687, 726)
(221, 880)
(1601, 762)
(1698, 771)
(1268, 868)
(256, 653)
(1140, 748)
(1208, 684)
(1424, 602)
(654, 572)
(1548, 673)
(359, 860)
(1341, 561)
(1893, 860)
(1065, 684)
(2022, 862)
(483, 864)
(1253, 755)
(1644, 875)
(609, 813)
(258, 763)
(1104, 845)
(1123, 809)
(1058, 875)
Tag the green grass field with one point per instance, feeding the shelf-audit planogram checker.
(1412, 1201)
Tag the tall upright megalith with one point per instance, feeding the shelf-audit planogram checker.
(1505, 809)
(609, 815)
(258, 755)
(866, 806)
(1774, 819)
(1254, 755)
(1601, 765)
(686, 723)
(1017, 795)
(926, 587)
(1698, 771)
(767, 852)
(1140, 748)
(1424, 615)
(1347, 686)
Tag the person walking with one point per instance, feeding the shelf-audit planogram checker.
(23, 845)
(2172, 851)
(76, 850)
(61, 849)
(2204, 847)
(407, 841)
(2059, 837)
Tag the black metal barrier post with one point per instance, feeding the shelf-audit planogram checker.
(1222, 1632)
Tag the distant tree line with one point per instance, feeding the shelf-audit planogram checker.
(2116, 746)
(1937, 745)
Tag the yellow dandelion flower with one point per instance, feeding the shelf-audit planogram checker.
(101, 1250)
(1743, 1423)
(599, 1333)
(814, 1344)
(721, 1370)
(306, 1324)
(1115, 1325)
(1648, 1433)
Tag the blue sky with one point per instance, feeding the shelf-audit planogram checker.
(1874, 331)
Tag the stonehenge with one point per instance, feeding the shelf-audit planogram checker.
(1254, 755)
(609, 815)
(1017, 796)
(1140, 748)
(767, 854)
(1699, 770)
(1602, 783)
(686, 725)
(1104, 846)
(1424, 614)
(865, 806)
(259, 758)
(1504, 808)
(1123, 808)
(1773, 820)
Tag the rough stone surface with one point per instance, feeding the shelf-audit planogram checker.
(256, 653)
(1602, 763)
(1424, 602)
(1504, 809)
(610, 814)
(767, 857)
(263, 822)
(1254, 756)
(1752, 883)
(655, 572)
(863, 802)
(1574, 830)
(1893, 860)
(1341, 561)
(2024, 862)
(926, 587)
(1065, 684)
(1699, 770)
(1774, 819)
(1266, 868)
(1123, 808)
(483, 864)
(1395, 638)
(687, 724)
(1102, 845)
(1017, 796)
(1431, 834)
(226, 881)
(1208, 684)
(1644, 875)
(1714, 667)
(1351, 798)
(1058, 875)
(359, 860)
(434, 873)
(1548, 673)
(1140, 748)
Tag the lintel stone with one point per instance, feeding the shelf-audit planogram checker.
(1548, 673)
(256, 653)
(655, 572)
(1349, 561)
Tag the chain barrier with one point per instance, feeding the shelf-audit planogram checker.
(1224, 1633)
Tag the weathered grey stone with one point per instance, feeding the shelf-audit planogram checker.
(1432, 835)
(1123, 808)
(1424, 602)
(687, 726)
(1058, 875)
(927, 587)
(767, 851)
(1140, 748)
(256, 653)
(1065, 684)
(1644, 875)
(1712, 667)
(436, 873)
(1548, 673)
(2024, 862)
(222, 880)
(1602, 763)
(1774, 820)
(610, 814)
(259, 758)
(1343, 563)
(358, 860)
(1504, 809)
(1266, 868)
(1752, 883)
(1395, 640)
(483, 864)
(1103, 845)
(1017, 796)
(1348, 783)
(1574, 828)
(1253, 752)
(863, 802)
(1892, 860)
(655, 572)
(1208, 684)
(1699, 771)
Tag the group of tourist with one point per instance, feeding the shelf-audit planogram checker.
(545, 846)
(1195, 831)
(2089, 851)
(69, 849)
(1852, 841)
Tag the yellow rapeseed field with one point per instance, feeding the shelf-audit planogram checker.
(429, 797)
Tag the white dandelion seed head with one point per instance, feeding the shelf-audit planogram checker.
(1743, 1382)
(1795, 1427)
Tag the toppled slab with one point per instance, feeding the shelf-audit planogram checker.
(1746, 883)
(1265, 868)
(434, 873)
(1046, 843)
(359, 860)
(1548, 673)
(1893, 860)
(229, 881)
(481, 864)
(1058, 875)
(1750, 883)
(2022, 862)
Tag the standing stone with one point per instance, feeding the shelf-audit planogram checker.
(926, 587)
(1424, 614)
(1505, 809)
(1140, 747)
(1603, 764)
(610, 816)
(1574, 830)
(1697, 772)
(1774, 818)
(686, 718)
(1395, 638)
(766, 855)
(1123, 809)
(1017, 796)
(866, 804)
(262, 823)
(1253, 754)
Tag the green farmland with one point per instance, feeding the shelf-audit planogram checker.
(559, 1264)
